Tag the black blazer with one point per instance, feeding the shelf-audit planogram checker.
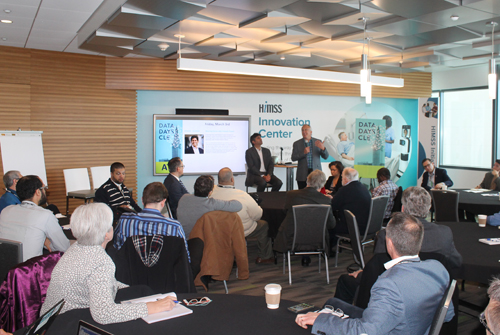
(190, 150)
(253, 164)
(356, 198)
(175, 192)
(333, 188)
(441, 177)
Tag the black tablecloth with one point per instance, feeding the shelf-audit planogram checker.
(273, 206)
(477, 203)
(480, 261)
(226, 314)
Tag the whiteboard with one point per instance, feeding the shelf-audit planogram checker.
(23, 151)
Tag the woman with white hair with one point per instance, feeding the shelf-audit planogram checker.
(85, 275)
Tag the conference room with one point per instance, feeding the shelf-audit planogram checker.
(92, 77)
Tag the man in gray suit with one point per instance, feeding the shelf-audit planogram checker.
(307, 152)
(405, 297)
(437, 239)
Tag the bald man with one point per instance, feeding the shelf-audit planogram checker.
(250, 215)
(307, 152)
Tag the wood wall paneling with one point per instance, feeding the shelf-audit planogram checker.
(83, 123)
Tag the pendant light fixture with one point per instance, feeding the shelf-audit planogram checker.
(365, 74)
(492, 77)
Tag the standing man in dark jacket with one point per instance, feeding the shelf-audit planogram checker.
(307, 151)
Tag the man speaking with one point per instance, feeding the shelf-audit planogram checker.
(307, 152)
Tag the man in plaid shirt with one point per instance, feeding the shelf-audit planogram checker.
(150, 221)
(386, 187)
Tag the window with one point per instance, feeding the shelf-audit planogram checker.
(466, 129)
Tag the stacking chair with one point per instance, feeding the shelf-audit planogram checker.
(375, 221)
(438, 320)
(11, 254)
(445, 205)
(356, 246)
(100, 174)
(77, 185)
(309, 235)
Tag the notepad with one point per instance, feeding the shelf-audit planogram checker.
(177, 311)
(490, 241)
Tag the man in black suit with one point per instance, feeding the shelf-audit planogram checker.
(260, 166)
(354, 197)
(434, 178)
(309, 195)
(174, 185)
(193, 149)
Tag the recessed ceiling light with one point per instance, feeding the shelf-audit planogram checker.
(282, 58)
(7, 11)
(6, 21)
(454, 17)
(4, 38)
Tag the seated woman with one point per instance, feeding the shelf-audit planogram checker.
(85, 275)
(334, 182)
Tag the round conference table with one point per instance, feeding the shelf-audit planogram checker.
(273, 207)
(476, 203)
(226, 314)
(480, 261)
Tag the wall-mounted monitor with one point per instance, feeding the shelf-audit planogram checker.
(204, 143)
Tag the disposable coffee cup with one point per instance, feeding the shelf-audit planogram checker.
(482, 220)
(273, 294)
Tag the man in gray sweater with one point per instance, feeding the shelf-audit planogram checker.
(192, 207)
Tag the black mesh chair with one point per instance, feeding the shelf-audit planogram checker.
(356, 246)
(309, 237)
(11, 254)
(375, 221)
(445, 205)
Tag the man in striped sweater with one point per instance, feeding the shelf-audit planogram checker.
(150, 221)
(114, 193)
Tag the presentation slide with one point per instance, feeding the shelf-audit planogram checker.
(204, 143)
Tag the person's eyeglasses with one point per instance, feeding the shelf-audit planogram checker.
(482, 319)
(183, 166)
(197, 301)
(44, 188)
(426, 165)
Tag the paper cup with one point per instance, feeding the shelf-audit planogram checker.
(273, 295)
(482, 220)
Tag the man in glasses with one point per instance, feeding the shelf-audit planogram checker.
(490, 318)
(433, 177)
(405, 297)
(31, 224)
(10, 197)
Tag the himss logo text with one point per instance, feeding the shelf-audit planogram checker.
(268, 108)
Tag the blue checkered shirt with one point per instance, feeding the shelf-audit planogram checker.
(387, 187)
(148, 222)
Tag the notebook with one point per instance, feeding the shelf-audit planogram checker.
(177, 311)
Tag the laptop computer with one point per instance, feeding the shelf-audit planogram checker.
(40, 326)
(85, 328)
